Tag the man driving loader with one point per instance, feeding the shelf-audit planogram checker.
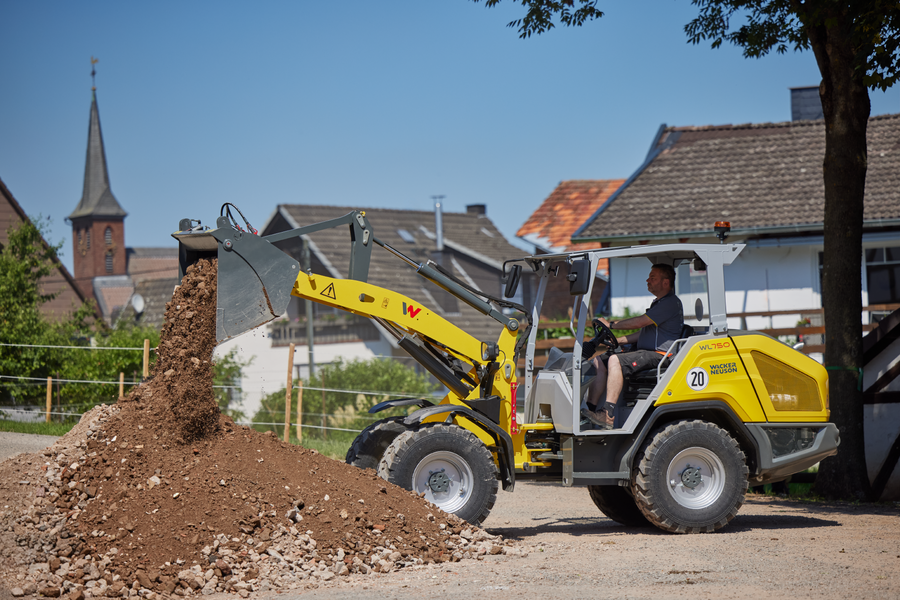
(659, 327)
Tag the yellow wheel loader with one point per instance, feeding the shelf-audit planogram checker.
(723, 409)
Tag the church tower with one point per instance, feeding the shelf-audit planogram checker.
(98, 222)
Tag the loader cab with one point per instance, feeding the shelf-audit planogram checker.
(552, 392)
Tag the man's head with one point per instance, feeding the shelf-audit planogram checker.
(661, 280)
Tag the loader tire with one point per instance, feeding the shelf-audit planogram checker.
(367, 449)
(691, 477)
(451, 466)
(616, 503)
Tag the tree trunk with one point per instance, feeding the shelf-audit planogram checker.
(845, 103)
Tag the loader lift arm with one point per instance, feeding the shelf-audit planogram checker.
(256, 280)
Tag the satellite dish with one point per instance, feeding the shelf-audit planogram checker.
(137, 301)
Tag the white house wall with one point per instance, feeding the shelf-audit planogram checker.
(267, 372)
(759, 280)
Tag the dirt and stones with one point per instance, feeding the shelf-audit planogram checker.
(162, 493)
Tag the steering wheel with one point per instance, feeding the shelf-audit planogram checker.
(604, 335)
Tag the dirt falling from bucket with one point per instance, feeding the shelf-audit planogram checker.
(179, 396)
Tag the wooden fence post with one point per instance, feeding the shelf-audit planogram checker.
(324, 431)
(121, 384)
(300, 411)
(49, 397)
(287, 394)
(146, 358)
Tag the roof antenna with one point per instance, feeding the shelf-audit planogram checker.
(94, 61)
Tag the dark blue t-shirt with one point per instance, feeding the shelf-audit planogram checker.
(667, 315)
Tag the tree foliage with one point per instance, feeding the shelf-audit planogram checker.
(870, 27)
(24, 261)
(540, 14)
(345, 409)
(227, 373)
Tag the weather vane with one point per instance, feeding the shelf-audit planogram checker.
(94, 61)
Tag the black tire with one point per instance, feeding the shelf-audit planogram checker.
(449, 464)
(691, 477)
(367, 449)
(615, 502)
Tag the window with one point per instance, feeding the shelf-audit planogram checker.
(88, 231)
(883, 274)
(107, 236)
(109, 263)
(79, 237)
(406, 236)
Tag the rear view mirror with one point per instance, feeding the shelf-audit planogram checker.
(698, 309)
(579, 277)
(512, 281)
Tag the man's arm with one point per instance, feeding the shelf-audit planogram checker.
(630, 323)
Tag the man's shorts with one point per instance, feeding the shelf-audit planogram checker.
(639, 360)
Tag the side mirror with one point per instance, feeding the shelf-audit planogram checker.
(579, 277)
(699, 265)
(698, 309)
(512, 281)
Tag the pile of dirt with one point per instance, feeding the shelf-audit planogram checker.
(163, 493)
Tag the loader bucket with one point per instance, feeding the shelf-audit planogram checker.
(254, 277)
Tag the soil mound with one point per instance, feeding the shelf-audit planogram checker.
(163, 493)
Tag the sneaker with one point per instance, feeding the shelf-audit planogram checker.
(596, 419)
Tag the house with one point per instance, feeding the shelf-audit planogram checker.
(60, 281)
(550, 229)
(105, 269)
(467, 244)
(766, 180)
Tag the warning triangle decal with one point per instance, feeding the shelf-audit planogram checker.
(329, 292)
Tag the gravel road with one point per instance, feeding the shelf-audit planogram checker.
(775, 547)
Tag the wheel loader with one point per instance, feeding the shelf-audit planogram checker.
(724, 408)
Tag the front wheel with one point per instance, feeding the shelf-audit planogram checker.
(449, 465)
(691, 478)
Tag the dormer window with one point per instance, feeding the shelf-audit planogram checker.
(406, 236)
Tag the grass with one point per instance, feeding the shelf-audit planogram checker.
(57, 429)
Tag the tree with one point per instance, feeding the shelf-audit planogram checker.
(857, 46)
(347, 409)
(24, 260)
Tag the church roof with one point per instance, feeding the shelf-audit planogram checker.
(97, 199)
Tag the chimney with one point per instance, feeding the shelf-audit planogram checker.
(438, 223)
(476, 209)
(806, 104)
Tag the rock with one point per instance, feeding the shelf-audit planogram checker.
(76, 594)
(143, 579)
(17, 592)
(49, 592)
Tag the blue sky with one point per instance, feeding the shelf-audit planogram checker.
(356, 103)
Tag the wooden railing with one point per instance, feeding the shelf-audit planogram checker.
(567, 344)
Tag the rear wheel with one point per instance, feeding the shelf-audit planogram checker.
(369, 446)
(616, 503)
(691, 478)
(447, 463)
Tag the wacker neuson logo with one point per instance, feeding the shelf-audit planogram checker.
(723, 369)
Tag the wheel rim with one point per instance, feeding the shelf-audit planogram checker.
(695, 478)
(445, 478)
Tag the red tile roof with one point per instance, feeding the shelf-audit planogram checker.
(551, 226)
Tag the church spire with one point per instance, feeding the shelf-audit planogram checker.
(97, 200)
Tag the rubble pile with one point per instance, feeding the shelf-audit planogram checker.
(160, 494)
